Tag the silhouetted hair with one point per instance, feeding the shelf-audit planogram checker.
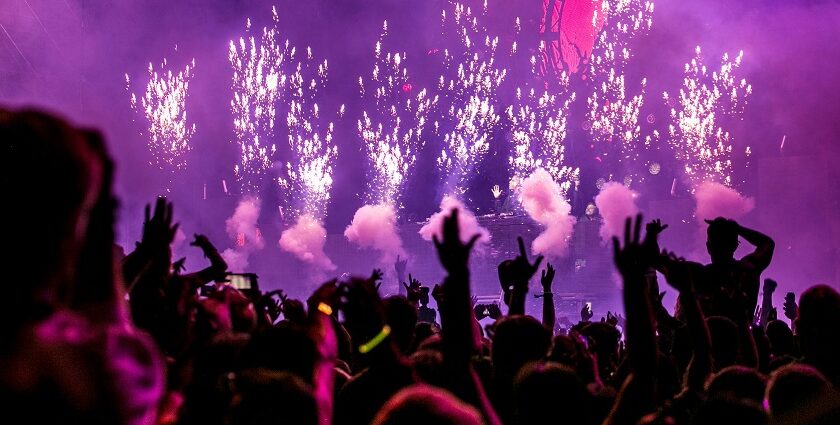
(792, 387)
(738, 382)
(424, 405)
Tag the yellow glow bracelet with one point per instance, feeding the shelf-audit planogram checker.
(370, 345)
(325, 308)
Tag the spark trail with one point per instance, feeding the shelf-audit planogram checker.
(163, 105)
(698, 140)
(612, 117)
(392, 129)
(258, 82)
(468, 89)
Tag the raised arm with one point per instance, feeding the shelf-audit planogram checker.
(518, 273)
(764, 246)
(679, 274)
(546, 279)
(637, 395)
(767, 302)
(456, 317)
(321, 306)
(217, 268)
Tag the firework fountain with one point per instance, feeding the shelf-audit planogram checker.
(612, 117)
(164, 107)
(538, 129)
(469, 96)
(698, 140)
(392, 134)
(258, 83)
(309, 175)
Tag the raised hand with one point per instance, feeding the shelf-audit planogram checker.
(654, 228)
(770, 286)
(400, 267)
(632, 260)
(790, 308)
(523, 269)
(547, 277)
(586, 313)
(454, 255)
(200, 241)
(496, 191)
(376, 276)
(158, 230)
(412, 289)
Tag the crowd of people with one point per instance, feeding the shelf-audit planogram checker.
(94, 334)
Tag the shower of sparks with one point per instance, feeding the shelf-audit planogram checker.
(613, 115)
(164, 107)
(538, 128)
(470, 93)
(392, 131)
(308, 178)
(699, 141)
(258, 82)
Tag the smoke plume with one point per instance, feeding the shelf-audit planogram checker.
(375, 226)
(306, 241)
(716, 200)
(542, 199)
(242, 229)
(467, 223)
(615, 203)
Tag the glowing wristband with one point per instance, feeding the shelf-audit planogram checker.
(325, 308)
(370, 345)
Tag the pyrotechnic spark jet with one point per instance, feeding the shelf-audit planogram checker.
(470, 92)
(696, 135)
(613, 115)
(164, 107)
(309, 177)
(392, 130)
(538, 127)
(257, 84)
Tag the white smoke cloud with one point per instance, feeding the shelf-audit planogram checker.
(375, 226)
(242, 229)
(306, 240)
(467, 223)
(716, 200)
(237, 260)
(243, 224)
(615, 203)
(543, 201)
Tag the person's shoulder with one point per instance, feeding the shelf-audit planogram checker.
(748, 265)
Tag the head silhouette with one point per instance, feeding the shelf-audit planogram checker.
(792, 387)
(422, 405)
(401, 315)
(52, 175)
(722, 239)
(517, 341)
(818, 328)
(543, 390)
(739, 382)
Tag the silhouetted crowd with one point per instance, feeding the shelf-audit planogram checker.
(96, 335)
